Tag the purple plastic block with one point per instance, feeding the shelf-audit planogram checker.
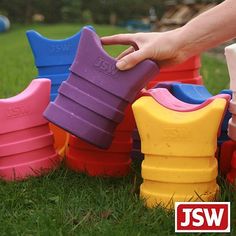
(135, 135)
(136, 151)
(91, 102)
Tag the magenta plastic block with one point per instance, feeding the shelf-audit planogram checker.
(166, 99)
(26, 143)
(91, 103)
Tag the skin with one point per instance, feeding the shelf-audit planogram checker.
(206, 31)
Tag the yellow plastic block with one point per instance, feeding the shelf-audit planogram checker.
(179, 148)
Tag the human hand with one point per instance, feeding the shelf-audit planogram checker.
(163, 48)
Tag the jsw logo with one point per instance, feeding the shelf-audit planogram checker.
(17, 111)
(60, 48)
(202, 217)
(105, 67)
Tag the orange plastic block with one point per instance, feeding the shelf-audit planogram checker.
(61, 139)
(26, 142)
(113, 162)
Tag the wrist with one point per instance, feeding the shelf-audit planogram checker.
(186, 46)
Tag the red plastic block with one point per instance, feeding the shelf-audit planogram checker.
(193, 63)
(187, 72)
(226, 153)
(114, 162)
(26, 143)
(231, 176)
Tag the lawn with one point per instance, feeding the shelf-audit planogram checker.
(67, 203)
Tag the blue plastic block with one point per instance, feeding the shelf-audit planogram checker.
(228, 115)
(226, 91)
(53, 58)
(194, 94)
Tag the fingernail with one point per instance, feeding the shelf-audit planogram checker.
(121, 65)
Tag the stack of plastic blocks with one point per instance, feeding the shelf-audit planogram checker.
(53, 59)
(26, 142)
(179, 163)
(186, 72)
(92, 101)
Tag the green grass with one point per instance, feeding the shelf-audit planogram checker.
(214, 73)
(67, 203)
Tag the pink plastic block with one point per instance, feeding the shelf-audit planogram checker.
(26, 143)
(166, 99)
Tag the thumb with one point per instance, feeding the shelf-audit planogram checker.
(131, 60)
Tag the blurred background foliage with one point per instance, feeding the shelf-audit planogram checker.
(84, 11)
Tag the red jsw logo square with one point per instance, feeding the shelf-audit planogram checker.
(202, 217)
